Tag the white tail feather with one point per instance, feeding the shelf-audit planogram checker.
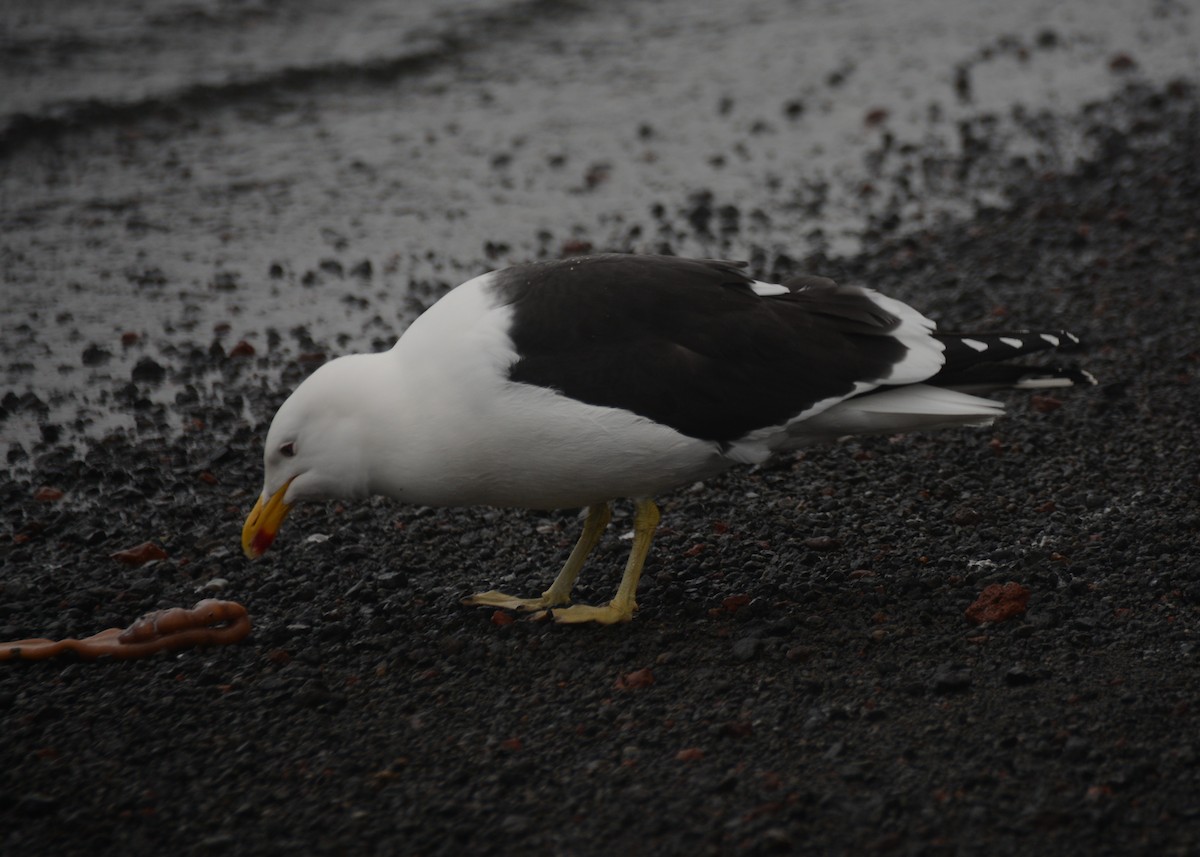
(911, 408)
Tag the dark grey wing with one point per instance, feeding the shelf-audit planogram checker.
(689, 344)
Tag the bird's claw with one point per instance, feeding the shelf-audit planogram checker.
(493, 598)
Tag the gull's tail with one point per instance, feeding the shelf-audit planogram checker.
(974, 364)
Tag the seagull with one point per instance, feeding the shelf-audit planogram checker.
(576, 382)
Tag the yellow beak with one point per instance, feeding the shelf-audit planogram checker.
(263, 523)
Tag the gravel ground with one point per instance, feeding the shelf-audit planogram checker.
(801, 676)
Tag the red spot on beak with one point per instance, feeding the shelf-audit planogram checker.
(262, 541)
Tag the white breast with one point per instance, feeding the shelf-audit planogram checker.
(459, 432)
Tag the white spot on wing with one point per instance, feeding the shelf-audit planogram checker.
(768, 290)
(1010, 342)
(924, 357)
(1051, 338)
(974, 343)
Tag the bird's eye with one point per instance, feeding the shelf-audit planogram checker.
(288, 449)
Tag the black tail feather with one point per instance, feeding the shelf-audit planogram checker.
(977, 361)
(987, 377)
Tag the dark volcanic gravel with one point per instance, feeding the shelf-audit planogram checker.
(802, 674)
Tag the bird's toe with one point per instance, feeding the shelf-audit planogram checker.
(609, 614)
(494, 598)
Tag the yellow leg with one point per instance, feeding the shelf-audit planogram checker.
(621, 608)
(559, 592)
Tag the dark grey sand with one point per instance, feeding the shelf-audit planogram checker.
(801, 676)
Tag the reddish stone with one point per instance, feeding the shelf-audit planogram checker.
(875, 116)
(998, 602)
(596, 175)
(737, 728)
(46, 494)
(690, 754)
(1045, 404)
(1122, 62)
(576, 247)
(242, 349)
(140, 555)
(733, 603)
(635, 680)
(501, 618)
